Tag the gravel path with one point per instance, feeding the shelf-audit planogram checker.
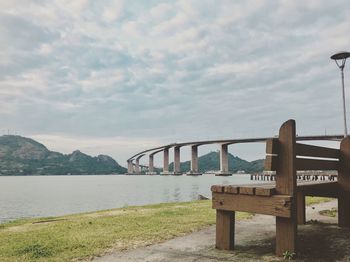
(254, 242)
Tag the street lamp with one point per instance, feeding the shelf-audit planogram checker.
(340, 59)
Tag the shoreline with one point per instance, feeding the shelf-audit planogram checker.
(92, 234)
(80, 236)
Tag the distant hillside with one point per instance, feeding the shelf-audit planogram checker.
(211, 161)
(25, 156)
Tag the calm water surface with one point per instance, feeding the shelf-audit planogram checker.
(40, 196)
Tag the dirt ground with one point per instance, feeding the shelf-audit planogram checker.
(318, 240)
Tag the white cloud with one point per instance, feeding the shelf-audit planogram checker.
(113, 11)
(157, 71)
(161, 10)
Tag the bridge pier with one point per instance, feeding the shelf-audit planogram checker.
(130, 167)
(137, 166)
(165, 161)
(223, 161)
(138, 169)
(177, 168)
(151, 165)
(194, 162)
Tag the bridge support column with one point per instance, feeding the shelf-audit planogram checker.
(165, 161)
(137, 167)
(151, 165)
(130, 167)
(177, 169)
(223, 161)
(194, 162)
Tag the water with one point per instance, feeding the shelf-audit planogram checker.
(42, 196)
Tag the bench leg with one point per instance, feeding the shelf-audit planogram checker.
(225, 229)
(286, 232)
(344, 210)
(301, 208)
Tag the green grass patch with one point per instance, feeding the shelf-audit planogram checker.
(329, 212)
(91, 234)
(316, 200)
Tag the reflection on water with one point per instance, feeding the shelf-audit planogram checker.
(166, 195)
(177, 193)
(194, 190)
(38, 196)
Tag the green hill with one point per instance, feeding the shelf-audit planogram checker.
(25, 156)
(211, 161)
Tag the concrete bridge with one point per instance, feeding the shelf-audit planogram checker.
(134, 167)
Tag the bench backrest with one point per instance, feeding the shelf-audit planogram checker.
(285, 156)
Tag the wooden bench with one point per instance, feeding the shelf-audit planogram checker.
(285, 198)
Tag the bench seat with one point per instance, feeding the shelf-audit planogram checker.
(312, 188)
(285, 197)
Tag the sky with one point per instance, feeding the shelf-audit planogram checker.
(117, 77)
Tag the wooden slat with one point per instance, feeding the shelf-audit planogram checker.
(271, 163)
(316, 151)
(278, 205)
(263, 191)
(325, 189)
(231, 189)
(247, 190)
(217, 188)
(316, 164)
(272, 146)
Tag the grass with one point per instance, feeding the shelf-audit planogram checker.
(316, 200)
(85, 235)
(329, 212)
(91, 234)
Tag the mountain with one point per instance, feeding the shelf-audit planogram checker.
(25, 156)
(211, 161)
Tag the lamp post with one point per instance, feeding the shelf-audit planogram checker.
(340, 59)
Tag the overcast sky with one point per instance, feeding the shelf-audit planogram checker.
(117, 77)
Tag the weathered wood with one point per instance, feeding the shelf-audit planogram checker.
(265, 191)
(301, 217)
(271, 163)
(247, 190)
(326, 189)
(279, 205)
(272, 146)
(225, 229)
(286, 169)
(231, 189)
(344, 184)
(285, 235)
(316, 164)
(316, 151)
(286, 200)
(217, 188)
(286, 228)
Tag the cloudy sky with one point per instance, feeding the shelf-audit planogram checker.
(117, 77)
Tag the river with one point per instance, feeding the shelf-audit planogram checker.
(42, 196)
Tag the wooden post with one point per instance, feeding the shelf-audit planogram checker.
(286, 228)
(301, 218)
(225, 229)
(344, 184)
